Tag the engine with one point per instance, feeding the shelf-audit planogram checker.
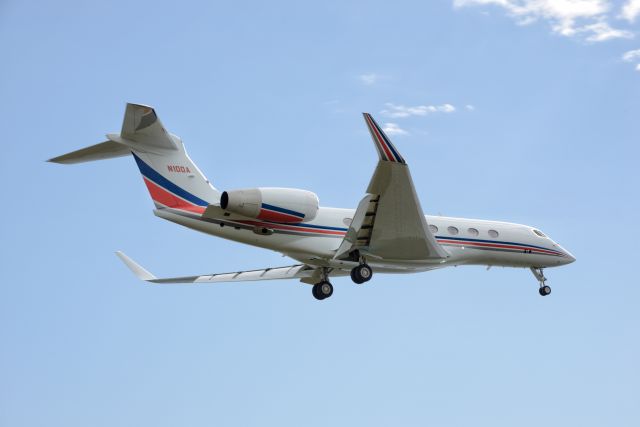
(288, 205)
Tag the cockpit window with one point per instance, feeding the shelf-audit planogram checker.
(539, 233)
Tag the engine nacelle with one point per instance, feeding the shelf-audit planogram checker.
(272, 204)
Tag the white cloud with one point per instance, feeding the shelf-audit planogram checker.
(470, 107)
(586, 18)
(393, 129)
(601, 31)
(631, 55)
(369, 78)
(397, 111)
(631, 10)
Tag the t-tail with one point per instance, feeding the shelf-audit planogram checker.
(171, 177)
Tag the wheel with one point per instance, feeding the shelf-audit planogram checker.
(355, 277)
(361, 273)
(315, 293)
(365, 272)
(325, 289)
(544, 290)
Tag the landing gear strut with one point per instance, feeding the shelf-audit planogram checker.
(362, 273)
(539, 274)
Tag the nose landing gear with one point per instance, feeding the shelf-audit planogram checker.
(539, 274)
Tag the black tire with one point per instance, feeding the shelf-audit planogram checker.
(325, 289)
(544, 290)
(315, 291)
(355, 277)
(365, 273)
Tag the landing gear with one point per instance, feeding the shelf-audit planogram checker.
(362, 273)
(539, 274)
(322, 290)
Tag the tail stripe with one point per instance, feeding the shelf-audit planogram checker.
(385, 147)
(153, 176)
(163, 197)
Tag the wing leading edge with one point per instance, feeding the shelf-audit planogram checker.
(389, 222)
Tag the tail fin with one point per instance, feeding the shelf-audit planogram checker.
(171, 177)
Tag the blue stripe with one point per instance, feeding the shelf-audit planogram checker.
(282, 210)
(321, 227)
(154, 176)
(301, 224)
(464, 239)
(391, 147)
(389, 144)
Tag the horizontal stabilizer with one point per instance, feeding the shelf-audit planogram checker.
(104, 150)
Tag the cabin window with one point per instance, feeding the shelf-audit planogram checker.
(433, 228)
(347, 221)
(473, 231)
(493, 233)
(539, 233)
(452, 230)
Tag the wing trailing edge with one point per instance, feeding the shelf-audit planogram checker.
(298, 271)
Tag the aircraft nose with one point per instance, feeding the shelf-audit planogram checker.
(568, 258)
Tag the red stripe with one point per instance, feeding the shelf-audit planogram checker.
(294, 228)
(162, 196)
(269, 215)
(380, 139)
(496, 245)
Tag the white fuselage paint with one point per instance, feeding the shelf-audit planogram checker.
(515, 245)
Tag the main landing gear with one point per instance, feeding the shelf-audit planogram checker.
(322, 290)
(544, 288)
(362, 273)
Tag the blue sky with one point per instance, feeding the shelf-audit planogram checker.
(525, 111)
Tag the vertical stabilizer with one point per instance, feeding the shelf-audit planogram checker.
(171, 177)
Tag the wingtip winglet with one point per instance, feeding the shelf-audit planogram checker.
(139, 271)
(386, 149)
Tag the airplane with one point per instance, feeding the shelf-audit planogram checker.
(387, 232)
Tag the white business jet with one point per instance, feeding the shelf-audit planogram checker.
(387, 233)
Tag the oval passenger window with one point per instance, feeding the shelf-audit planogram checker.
(433, 228)
(347, 221)
(473, 231)
(452, 230)
(493, 233)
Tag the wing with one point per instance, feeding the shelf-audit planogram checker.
(389, 222)
(300, 271)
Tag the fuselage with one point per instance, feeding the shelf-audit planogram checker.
(467, 241)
